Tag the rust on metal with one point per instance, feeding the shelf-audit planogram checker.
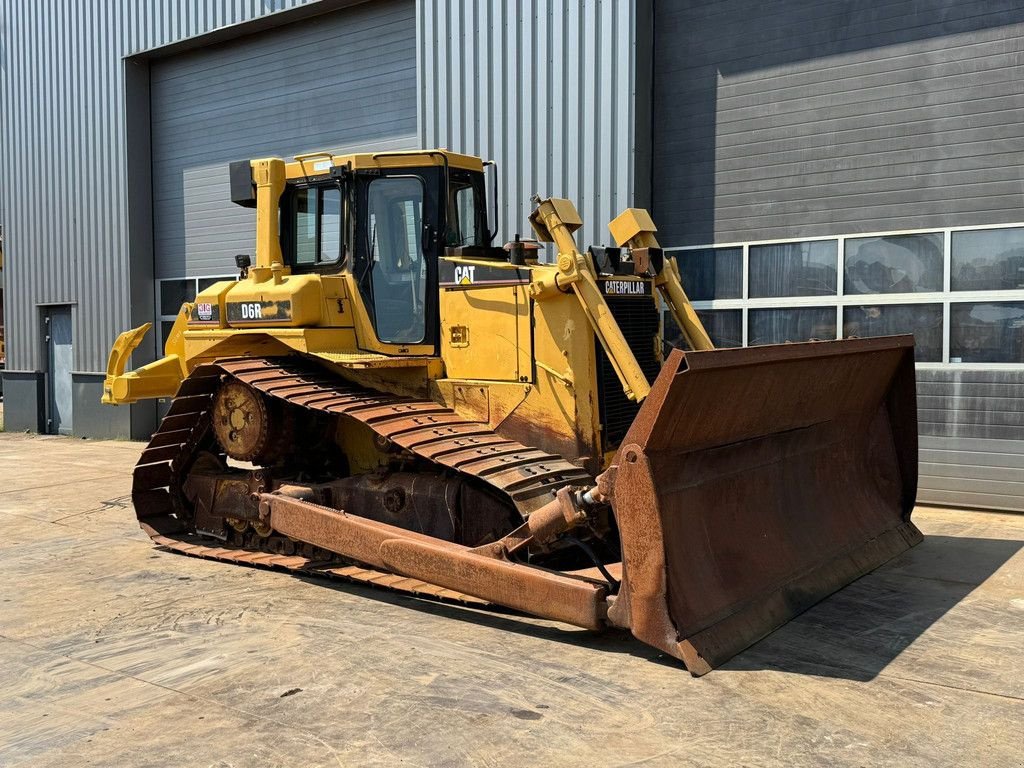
(755, 482)
(572, 599)
(528, 476)
(241, 421)
(166, 519)
(752, 483)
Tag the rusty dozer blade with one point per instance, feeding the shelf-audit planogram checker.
(755, 482)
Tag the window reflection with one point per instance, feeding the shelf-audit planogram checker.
(462, 217)
(724, 326)
(330, 224)
(317, 226)
(398, 272)
(987, 332)
(922, 320)
(894, 264)
(711, 273)
(875, 268)
(305, 226)
(987, 260)
(794, 269)
(777, 326)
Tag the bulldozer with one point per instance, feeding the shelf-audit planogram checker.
(386, 395)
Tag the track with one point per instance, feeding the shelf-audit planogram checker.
(425, 428)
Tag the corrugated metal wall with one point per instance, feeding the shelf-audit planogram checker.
(545, 88)
(794, 119)
(62, 118)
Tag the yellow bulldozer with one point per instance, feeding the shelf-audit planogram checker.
(386, 395)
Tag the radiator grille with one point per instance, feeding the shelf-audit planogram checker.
(638, 319)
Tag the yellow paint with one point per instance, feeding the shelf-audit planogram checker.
(175, 344)
(556, 408)
(297, 301)
(634, 224)
(485, 332)
(360, 447)
(157, 379)
(320, 163)
(635, 228)
(554, 220)
(519, 355)
(269, 175)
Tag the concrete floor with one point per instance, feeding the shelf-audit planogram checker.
(114, 653)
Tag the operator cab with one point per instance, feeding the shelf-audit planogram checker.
(381, 218)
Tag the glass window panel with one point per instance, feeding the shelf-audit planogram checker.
(777, 326)
(724, 326)
(893, 264)
(398, 269)
(922, 320)
(711, 273)
(411, 217)
(305, 226)
(330, 225)
(462, 227)
(174, 293)
(987, 260)
(987, 332)
(794, 269)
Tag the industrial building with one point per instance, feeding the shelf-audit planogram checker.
(825, 170)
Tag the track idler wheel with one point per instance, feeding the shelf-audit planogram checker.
(247, 427)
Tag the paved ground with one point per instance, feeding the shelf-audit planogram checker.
(113, 653)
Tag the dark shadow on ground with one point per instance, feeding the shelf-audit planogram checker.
(853, 634)
(858, 631)
(504, 619)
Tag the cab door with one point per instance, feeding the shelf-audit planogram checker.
(397, 248)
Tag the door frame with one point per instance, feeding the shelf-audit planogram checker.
(45, 310)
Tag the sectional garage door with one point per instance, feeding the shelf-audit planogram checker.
(341, 80)
(786, 121)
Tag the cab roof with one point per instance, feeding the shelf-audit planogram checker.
(319, 163)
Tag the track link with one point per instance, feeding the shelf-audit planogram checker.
(527, 476)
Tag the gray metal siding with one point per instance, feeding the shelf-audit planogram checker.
(547, 89)
(801, 118)
(971, 426)
(62, 120)
(346, 79)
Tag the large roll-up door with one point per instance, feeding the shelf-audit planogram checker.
(342, 80)
(779, 122)
(794, 119)
(972, 438)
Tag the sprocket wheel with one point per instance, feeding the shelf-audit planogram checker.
(242, 422)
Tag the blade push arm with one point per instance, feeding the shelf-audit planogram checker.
(555, 220)
(635, 228)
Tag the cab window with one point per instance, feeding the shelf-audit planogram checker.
(465, 222)
(462, 229)
(317, 226)
(397, 268)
